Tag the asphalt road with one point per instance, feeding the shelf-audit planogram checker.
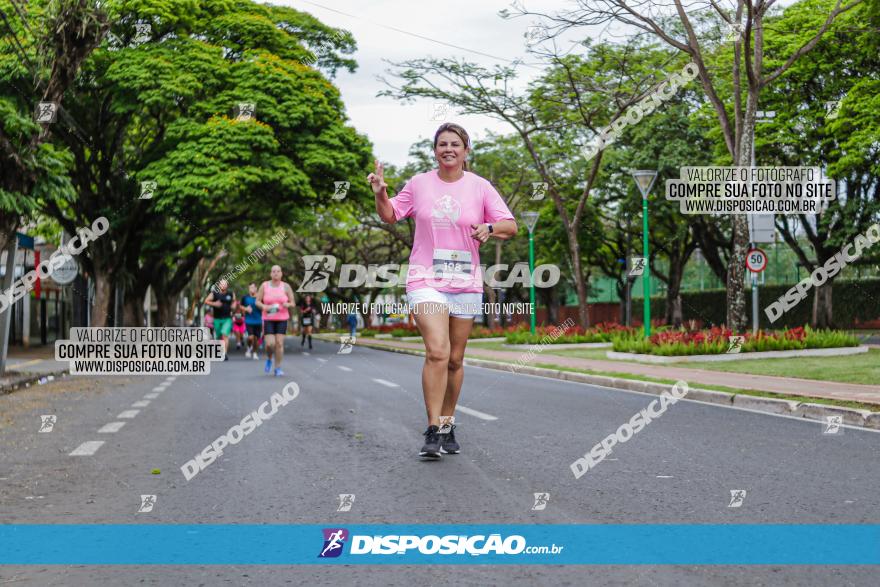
(356, 429)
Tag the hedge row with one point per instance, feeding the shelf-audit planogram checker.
(853, 302)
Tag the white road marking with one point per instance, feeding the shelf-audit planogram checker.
(385, 383)
(141, 404)
(322, 360)
(87, 448)
(171, 379)
(665, 477)
(475, 413)
(343, 367)
(159, 388)
(111, 427)
(306, 354)
(129, 414)
(151, 396)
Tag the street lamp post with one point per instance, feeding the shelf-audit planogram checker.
(530, 219)
(644, 179)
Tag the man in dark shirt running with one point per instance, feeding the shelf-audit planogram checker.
(221, 300)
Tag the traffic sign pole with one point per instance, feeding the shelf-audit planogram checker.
(754, 303)
(756, 261)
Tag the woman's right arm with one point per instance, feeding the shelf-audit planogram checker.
(380, 190)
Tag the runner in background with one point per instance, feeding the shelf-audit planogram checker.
(352, 323)
(238, 327)
(221, 299)
(275, 298)
(307, 314)
(253, 321)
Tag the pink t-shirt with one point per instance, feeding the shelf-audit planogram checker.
(444, 255)
(275, 295)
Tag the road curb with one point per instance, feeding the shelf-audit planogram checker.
(22, 380)
(793, 408)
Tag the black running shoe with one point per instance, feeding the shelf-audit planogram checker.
(448, 443)
(431, 449)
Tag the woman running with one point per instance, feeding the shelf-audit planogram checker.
(307, 311)
(274, 298)
(455, 211)
(238, 328)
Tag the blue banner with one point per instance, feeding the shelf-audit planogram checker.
(483, 544)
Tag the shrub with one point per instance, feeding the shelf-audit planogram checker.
(543, 334)
(715, 341)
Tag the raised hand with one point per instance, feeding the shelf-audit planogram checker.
(377, 179)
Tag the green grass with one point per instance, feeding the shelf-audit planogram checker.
(733, 390)
(863, 368)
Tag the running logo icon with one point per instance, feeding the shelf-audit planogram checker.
(245, 111)
(334, 540)
(47, 423)
(737, 496)
(541, 500)
(147, 503)
(346, 500)
(735, 344)
(341, 188)
(439, 111)
(346, 344)
(833, 425)
(319, 268)
(148, 188)
(539, 190)
(46, 112)
(637, 266)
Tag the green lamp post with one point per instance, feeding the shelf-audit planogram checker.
(645, 180)
(530, 219)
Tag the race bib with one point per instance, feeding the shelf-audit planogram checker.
(452, 264)
(307, 321)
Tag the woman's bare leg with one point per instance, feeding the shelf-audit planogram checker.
(459, 330)
(433, 322)
(279, 349)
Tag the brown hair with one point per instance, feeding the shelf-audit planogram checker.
(460, 131)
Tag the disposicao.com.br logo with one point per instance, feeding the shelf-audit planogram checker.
(430, 544)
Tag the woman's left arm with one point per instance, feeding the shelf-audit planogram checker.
(504, 229)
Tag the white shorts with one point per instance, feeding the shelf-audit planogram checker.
(461, 305)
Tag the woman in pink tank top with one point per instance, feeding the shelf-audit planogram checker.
(455, 211)
(275, 298)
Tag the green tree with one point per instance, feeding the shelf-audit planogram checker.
(222, 108)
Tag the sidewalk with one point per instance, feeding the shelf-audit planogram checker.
(27, 366)
(868, 394)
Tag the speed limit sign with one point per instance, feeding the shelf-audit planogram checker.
(756, 260)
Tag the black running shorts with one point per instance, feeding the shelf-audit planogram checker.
(275, 326)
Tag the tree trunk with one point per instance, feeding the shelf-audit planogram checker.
(166, 310)
(103, 298)
(580, 283)
(822, 306)
(491, 322)
(490, 297)
(133, 310)
(736, 267)
(673, 293)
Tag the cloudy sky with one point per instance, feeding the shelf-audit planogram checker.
(390, 125)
